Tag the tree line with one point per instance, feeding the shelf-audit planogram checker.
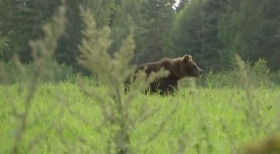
(212, 31)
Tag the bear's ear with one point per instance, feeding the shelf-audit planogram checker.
(187, 57)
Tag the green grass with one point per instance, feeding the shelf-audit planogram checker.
(209, 119)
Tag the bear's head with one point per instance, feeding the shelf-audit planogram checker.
(187, 67)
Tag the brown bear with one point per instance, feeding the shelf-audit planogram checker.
(178, 68)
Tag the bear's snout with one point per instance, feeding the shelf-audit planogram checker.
(201, 71)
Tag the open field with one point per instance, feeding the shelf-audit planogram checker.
(216, 121)
(47, 109)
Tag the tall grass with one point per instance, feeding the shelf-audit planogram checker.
(208, 121)
(236, 109)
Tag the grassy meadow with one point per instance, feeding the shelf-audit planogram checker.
(208, 120)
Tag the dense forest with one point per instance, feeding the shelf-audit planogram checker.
(212, 31)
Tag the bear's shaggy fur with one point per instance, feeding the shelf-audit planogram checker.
(178, 68)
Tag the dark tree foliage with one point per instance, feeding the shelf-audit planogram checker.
(21, 22)
(269, 37)
(181, 5)
(250, 28)
(196, 32)
(240, 26)
(67, 50)
(212, 31)
(158, 19)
